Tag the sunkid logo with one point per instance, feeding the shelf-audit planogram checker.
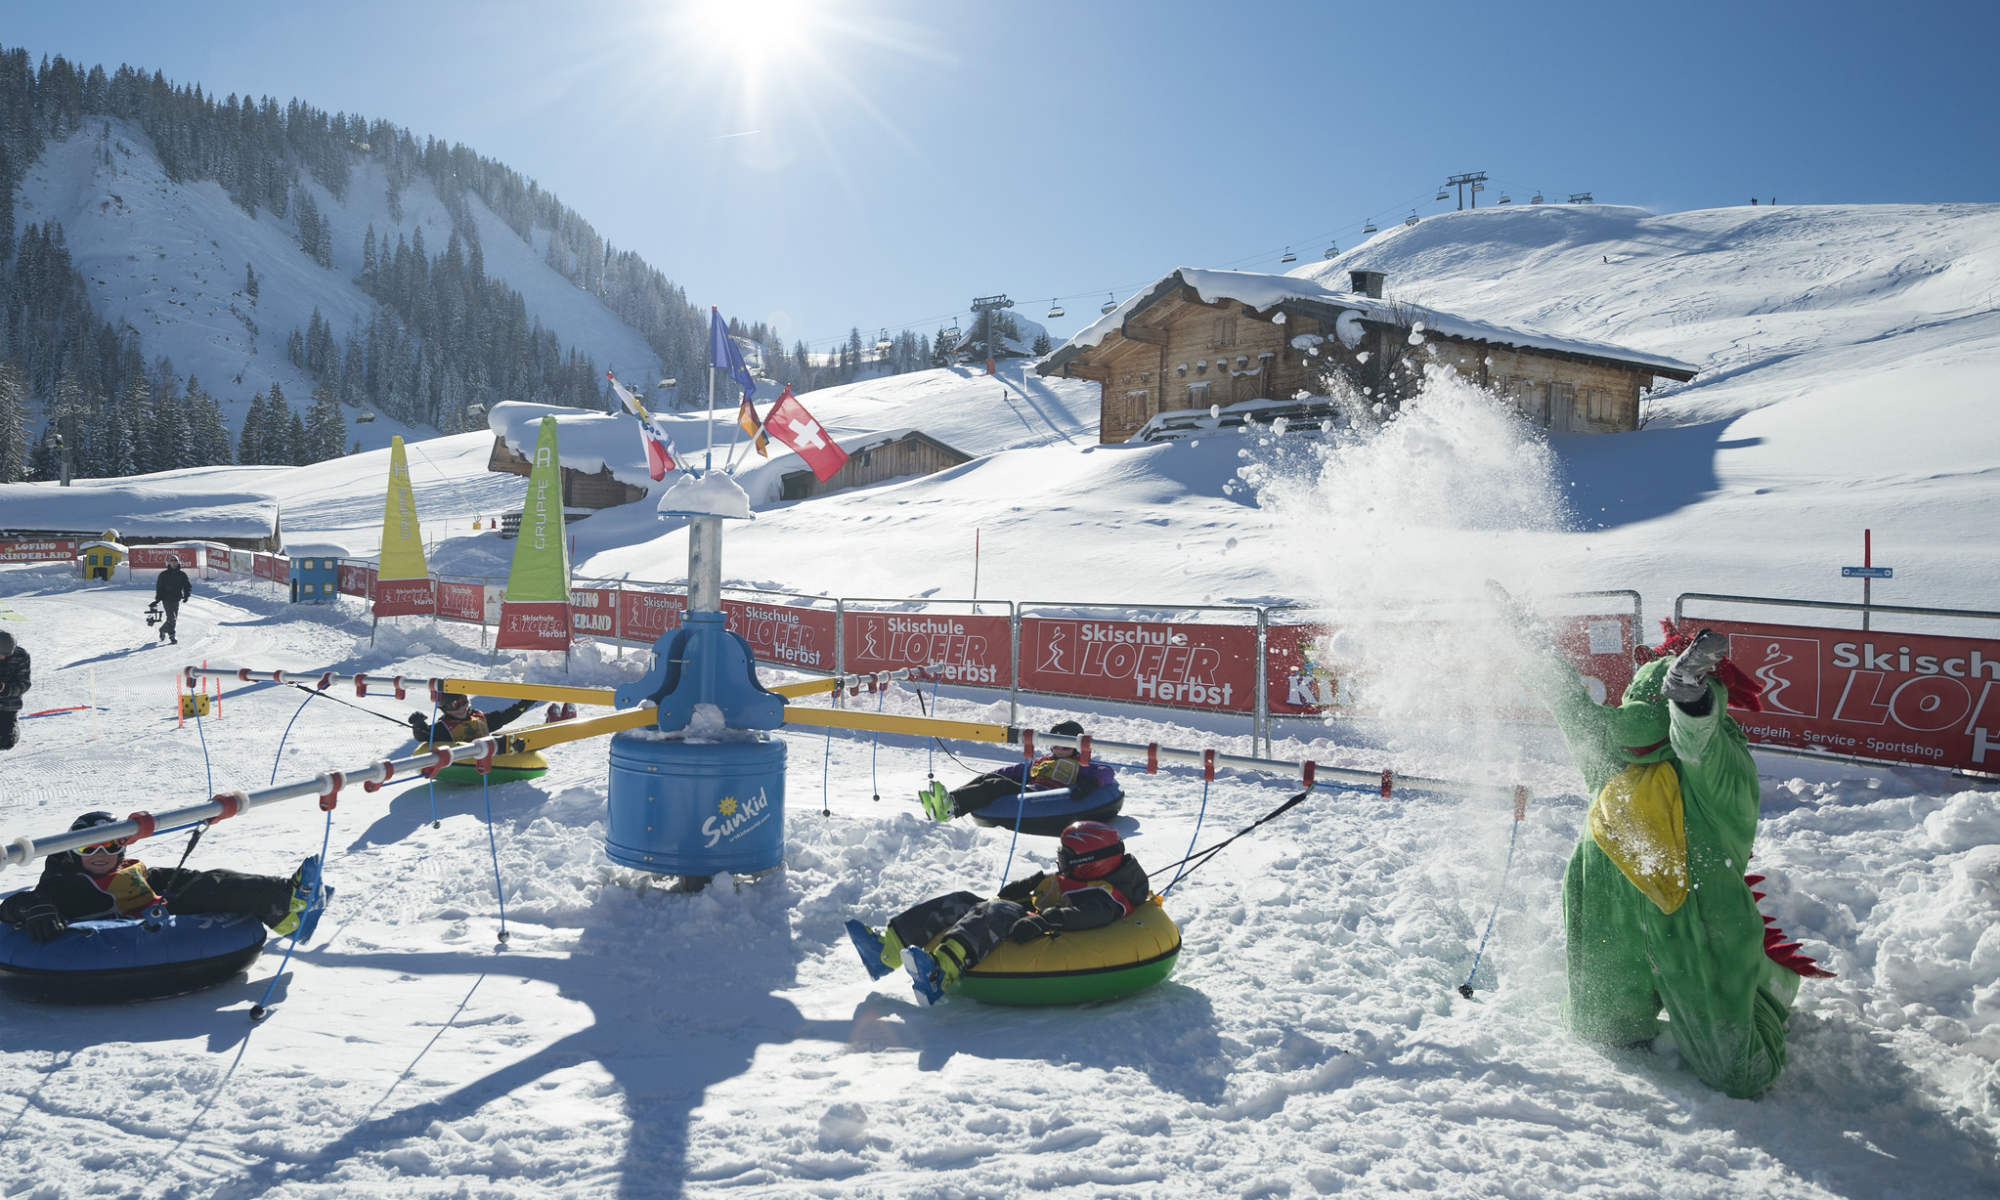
(734, 818)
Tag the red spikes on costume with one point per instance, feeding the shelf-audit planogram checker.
(1785, 953)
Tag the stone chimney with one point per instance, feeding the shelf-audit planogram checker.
(1366, 283)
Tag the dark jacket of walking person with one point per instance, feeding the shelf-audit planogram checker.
(14, 680)
(170, 589)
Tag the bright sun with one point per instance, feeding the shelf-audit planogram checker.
(748, 35)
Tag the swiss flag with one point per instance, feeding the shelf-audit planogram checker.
(790, 423)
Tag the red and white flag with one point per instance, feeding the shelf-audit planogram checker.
(790, 423)
(659, 444)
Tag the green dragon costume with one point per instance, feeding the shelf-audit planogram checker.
(1658, 911)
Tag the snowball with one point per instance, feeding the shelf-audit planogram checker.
(1277, 318)
(1347, 327)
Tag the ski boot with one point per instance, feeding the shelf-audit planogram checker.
(874, 949)
(931, 974)
(302, 914)
(936, 802)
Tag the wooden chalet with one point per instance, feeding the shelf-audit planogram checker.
(1200, 339)
(891, 455)
(597, 489)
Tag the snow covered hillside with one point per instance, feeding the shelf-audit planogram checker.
(168, 259)
(1311, 1041)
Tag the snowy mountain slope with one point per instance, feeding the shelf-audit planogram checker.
(169, 260)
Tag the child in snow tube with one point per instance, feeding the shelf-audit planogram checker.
(462, 723)
(1093, 789)
(98, 882)
(1657, 910)
(1097, 883)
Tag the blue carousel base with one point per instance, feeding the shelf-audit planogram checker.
(695, 808)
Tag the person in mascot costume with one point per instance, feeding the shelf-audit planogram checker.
(1658, 912)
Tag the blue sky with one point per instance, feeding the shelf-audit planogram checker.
(879, 163)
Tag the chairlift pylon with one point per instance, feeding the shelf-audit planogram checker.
(1055, 310)
(1289, 256)
(1110, 302)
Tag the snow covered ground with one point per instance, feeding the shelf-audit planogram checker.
(632, 1042)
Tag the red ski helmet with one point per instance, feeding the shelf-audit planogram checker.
(1089, 850)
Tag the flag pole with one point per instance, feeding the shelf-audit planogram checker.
(708, 456)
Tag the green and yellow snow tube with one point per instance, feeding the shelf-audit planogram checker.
(1077, 968)
(524, 764)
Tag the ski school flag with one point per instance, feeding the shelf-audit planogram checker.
(402, 582)
(791, 424)
(746, 420)
(723, 354)
(659, 446)
(534, 612)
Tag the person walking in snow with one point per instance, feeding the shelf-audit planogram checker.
(1657, 911)
(461, 723)
(97, 882)
(170, 589)
(1059, 768)
(1096, 883)
(14, 680)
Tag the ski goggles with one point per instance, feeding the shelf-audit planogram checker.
(101, 848)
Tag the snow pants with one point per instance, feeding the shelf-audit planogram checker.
(979, 924)
(1726, 1002)
(265, 897)
(173, 610)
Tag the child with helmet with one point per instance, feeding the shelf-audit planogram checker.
(460, 722)
(1059, 768)
(97, 882)
(1096, 883)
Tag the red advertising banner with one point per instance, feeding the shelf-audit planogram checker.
(461, 601)
(1178, 666)
(49, 551)
(1298, 683)
(270, 566)
(154, 558)
(357, 579)
(780, 633)
(964, 649)
(1903, 697)
(404, 598)
(644, 616)
(533, 625)
(593, 612)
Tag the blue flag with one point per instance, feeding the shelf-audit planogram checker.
(722, 353)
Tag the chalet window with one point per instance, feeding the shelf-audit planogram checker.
(1197, 394)
(1562, 406)
(1224, 334)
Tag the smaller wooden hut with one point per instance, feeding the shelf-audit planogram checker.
(894, 454)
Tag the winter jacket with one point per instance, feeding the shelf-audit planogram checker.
(172, 587)
(15, 679)
(1062, 903)
(472, 728)
(1047, 771)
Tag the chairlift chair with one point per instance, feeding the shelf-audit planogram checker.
(1109, 303)
(1537, 199)
(1369, 227)
(1055, 310)
(1332, 250)
(883, 343)
(1289, 256)
(364, 416)
(1412, 218)
(1443, 195)
(952, 332)
(1505, 198)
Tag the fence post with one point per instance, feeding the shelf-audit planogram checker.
(1260, 720)
(1014, 673)
(618, 619)
(839, 637)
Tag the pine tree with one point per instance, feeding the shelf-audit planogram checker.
(13, 424)
(298, 450)
(326, 433)
(250, 443)
(1042, 344)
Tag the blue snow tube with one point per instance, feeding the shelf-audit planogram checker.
(128, 958)
(1052, 810)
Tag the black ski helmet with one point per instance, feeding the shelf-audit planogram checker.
(449, 700)
(92, 819)
(6, 643)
